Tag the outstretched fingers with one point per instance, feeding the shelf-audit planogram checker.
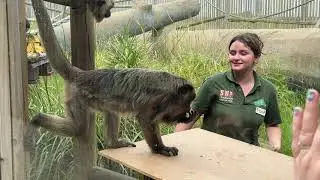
(309, 121)
(314, 114)
(296, 128)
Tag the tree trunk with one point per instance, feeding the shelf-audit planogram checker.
(137, 20)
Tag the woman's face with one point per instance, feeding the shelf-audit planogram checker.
(241, 57)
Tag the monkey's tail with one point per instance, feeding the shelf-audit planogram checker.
(55, 54)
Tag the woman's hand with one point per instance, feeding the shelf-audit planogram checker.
(274, 137)
(306, 139)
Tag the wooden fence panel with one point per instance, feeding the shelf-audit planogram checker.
(13, 90)
(5, 124)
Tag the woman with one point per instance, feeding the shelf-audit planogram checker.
(235, 103)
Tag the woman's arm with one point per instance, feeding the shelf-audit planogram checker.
(274, 137)
(273, 121)
(185, 126)
(200, 104)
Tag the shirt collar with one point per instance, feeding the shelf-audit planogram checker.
(257, 81)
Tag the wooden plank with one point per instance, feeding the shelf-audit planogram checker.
(205, 155)
(18, 84)
(5, 116)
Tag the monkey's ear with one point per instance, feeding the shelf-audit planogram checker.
(185, 89)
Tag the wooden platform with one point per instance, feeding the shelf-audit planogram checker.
(205, 155)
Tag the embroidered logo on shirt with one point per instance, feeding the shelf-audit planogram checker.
(260, 103)
(226, 95)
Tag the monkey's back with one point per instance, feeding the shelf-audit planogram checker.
(134, 86)
(136, 79)
(135, 82)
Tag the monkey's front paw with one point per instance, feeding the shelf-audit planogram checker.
(167, 151)
(35, 121)
(121, 143)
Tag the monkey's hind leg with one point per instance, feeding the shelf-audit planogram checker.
(57, 124)
(152, 136)
(64, 126)
(112, 123)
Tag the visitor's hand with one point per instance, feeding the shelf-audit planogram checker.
(306, 139)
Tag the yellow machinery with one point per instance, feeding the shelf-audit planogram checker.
(38, 63)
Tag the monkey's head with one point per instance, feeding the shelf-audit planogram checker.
(177, 108)
(101, 8)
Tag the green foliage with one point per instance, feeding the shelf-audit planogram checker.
(287, 99)
(122, 51)
(53, 155)
(53, 158)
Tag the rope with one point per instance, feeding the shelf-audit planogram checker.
(222, 10)
(302, 4)
(270, 15)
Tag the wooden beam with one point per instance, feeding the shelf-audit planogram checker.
(5, 115)
(68, 2)
(13, 91)
(50, 9)
(61, 2)
(83, 50)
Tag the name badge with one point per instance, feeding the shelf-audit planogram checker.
(260, 111)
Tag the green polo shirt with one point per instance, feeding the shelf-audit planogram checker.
(228, 112)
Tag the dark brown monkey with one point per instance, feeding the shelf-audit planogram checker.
(152, 96)
(100, 8)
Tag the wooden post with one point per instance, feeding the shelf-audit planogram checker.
(6, 169)
(83, 48)
(304, 12)
(13, 91)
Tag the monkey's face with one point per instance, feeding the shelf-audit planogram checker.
(101, 9)
(178, 108)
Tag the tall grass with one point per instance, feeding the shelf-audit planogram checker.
(53, 158)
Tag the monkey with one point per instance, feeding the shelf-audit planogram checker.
(152, 96)
(27, 25)
(101, 8)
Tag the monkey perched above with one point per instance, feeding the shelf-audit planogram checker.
(152, 96)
